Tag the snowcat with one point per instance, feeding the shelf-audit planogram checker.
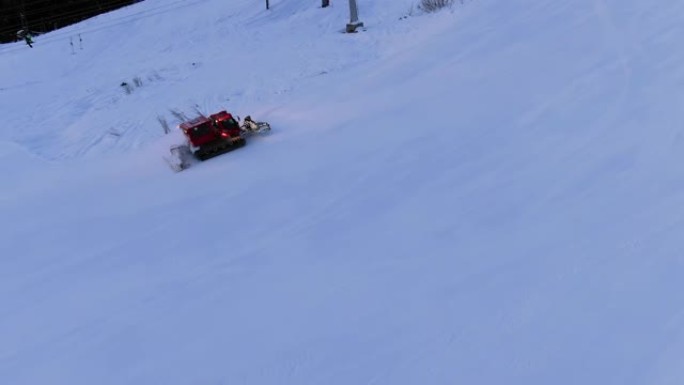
(207, 137)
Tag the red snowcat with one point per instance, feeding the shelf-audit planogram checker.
(214, 135)
(210, 136)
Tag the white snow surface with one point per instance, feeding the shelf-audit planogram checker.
(491, 194)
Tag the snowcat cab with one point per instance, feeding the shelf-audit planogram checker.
(226, 122)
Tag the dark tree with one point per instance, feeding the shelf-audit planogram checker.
(38, 16)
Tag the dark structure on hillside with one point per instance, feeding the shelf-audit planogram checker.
(40, 16)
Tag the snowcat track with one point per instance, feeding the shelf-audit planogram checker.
(215, 151)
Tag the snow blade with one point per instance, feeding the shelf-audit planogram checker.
(250, 128)
(180, 158)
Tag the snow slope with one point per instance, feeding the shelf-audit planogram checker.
(489, 195)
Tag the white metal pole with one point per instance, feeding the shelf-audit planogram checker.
(353, 12)
(354, 22)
